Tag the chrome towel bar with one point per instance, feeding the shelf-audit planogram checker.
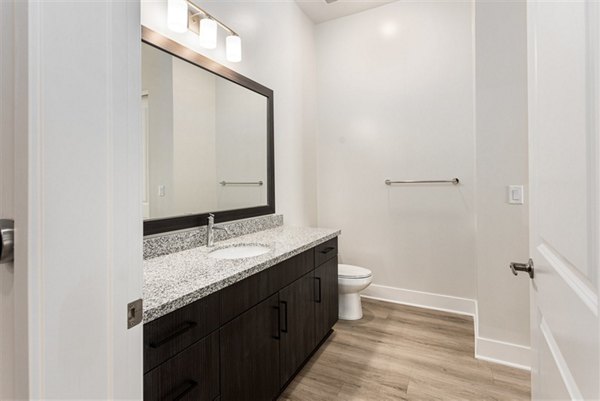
(259, 183)
(454, 181)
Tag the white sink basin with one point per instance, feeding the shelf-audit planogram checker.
(239, 251)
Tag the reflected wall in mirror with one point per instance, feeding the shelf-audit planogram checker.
(207, 139)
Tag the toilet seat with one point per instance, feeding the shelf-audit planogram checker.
(353, 272)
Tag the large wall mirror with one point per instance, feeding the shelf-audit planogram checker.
(208, 139)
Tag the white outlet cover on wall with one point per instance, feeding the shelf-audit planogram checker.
(516, 195)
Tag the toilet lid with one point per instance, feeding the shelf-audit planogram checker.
(349, 271)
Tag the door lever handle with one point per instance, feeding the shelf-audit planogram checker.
(7, 241)
(522, 267)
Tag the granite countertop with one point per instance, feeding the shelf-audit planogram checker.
(175, 280)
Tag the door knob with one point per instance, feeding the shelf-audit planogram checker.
(7, 241)
(522, 267)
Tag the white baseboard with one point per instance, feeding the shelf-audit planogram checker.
(513, 355)
(509, 354)
(445, 303)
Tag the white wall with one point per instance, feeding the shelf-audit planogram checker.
(278, 52)
(194, 140)
(182, 125)
(160, 128)
(241, 146)
(502, 160)
(396, 101)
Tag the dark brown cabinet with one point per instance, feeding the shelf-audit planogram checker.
(326, 295)
(246, 341)
(172, 333)
(326, 251)
(250, 354)
(190, 375)
(297, 305)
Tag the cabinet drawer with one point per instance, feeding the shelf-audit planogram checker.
(190, 375)
(243, 295)
(326, 251)
(291, 270)
(170, 334)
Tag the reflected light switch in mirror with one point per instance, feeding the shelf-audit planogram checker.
(161, 190)
(515, 195)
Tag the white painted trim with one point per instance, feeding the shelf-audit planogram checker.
(487, 349)
(444, 303)
(560, 362)
(504, 353)
(566, 272)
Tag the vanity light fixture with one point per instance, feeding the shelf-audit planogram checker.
(208, 33)
(233, 48)
(183, 15)
(177, 15)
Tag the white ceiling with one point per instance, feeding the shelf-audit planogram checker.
(319, 11)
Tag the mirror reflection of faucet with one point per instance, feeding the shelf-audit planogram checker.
(210, 230)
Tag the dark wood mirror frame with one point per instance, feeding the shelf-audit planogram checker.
(156, 226)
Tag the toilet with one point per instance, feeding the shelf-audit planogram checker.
(351, 280)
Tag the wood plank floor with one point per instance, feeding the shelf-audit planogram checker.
(399, 352)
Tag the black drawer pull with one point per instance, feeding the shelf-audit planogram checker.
(278, 336)
(286, 316)
(186, 327)
(319, 292)
(190, 386)
(327, 250)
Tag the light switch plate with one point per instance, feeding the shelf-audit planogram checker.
(516, 195)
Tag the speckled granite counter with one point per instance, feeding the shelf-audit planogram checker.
(175, 280)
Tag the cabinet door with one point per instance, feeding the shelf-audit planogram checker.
(326, 297)
(297, 308)
(250, 354)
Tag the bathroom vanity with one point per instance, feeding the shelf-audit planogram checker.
(238, 329)
(238, 320)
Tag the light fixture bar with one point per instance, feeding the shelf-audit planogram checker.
(206, 14)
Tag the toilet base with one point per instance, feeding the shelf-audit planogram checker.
(350, 307)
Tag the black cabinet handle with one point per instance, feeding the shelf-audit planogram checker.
(190, 386)
(327, 250)
(286, 316)
(278, 335)
(186, 327)
(319, 292)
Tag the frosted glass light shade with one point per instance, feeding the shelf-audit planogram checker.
(177, 15)
(208, 33)
(233, 48)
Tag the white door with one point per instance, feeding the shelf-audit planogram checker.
(7, 149)
(564, 73)
(14, 364)
(71, 160)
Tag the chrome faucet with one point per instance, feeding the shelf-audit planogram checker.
(210, 234)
